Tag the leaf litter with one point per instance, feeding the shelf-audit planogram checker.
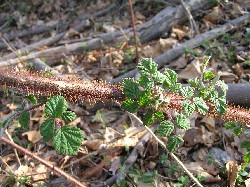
(208, 146)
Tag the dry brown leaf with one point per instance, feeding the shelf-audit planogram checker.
(111, 134)
(179, 63)
(195, 168)
(215, 15)
(192, 70)
(200, 155)
(167, 44)
(209, 122)
(33, 136)
(232, 172)
(229, 77)
(139, 16)
(180, 32)
(40, 168)
(22, 170)
(116, 164)
(93, 144)
(192, 137)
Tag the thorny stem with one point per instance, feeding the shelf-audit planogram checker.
(171, 154)
(94, 91)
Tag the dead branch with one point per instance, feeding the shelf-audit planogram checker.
(51, 166)
(129, 162)
(159, 24)
(169, 56)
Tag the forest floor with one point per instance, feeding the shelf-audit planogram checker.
(210, 151)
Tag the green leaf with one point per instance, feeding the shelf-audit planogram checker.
(237, 131)
(223, 87)
(163, 158)
(130, 88)
(176, 87)
(230, 125)
(182, 122)
(205, 62)
(55, 106)
(144, 98)
(245, 144)
(200, 105)
(130, 106)
(148, 118)
(221, 106)
(208, 75)
(196, 83)
(24, 119)
(159, 115)
(146, 83)
(68, 116)
(165, 128)
(174, 142)
(187, 92)
(68, 140)
(184, 179)
(159, 77)
(170, 78)
(147, 67)
(47, 129)
(188, 107)
(32, 98)
(246, 157)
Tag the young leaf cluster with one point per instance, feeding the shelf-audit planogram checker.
(149, 93)
(66, 139)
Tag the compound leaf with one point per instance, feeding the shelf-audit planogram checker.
(170, 78)
(68, 140)
(55, 106)
(32, 98)
(165, 128)
(188, 107)
(130, 106)
(182, 122)
(24, 119)
(148, 117)
(246, 157)
(147, 67)
(159, 115)
(230, 125)
(245, 144)
(174, 142)
(200, 105)
(144, 98)
(187, 92)
(208, 75)
(47, 129)
(68, 116)
(146, 83)
(130, 88)
(221, 106)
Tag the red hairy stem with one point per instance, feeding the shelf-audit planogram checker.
(79, 91)
(72, 89)
(233, 113)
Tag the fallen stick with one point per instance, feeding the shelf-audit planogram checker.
(121, 174)
(159, 24)
(47, 164)
(172, 54)
(49, 41)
